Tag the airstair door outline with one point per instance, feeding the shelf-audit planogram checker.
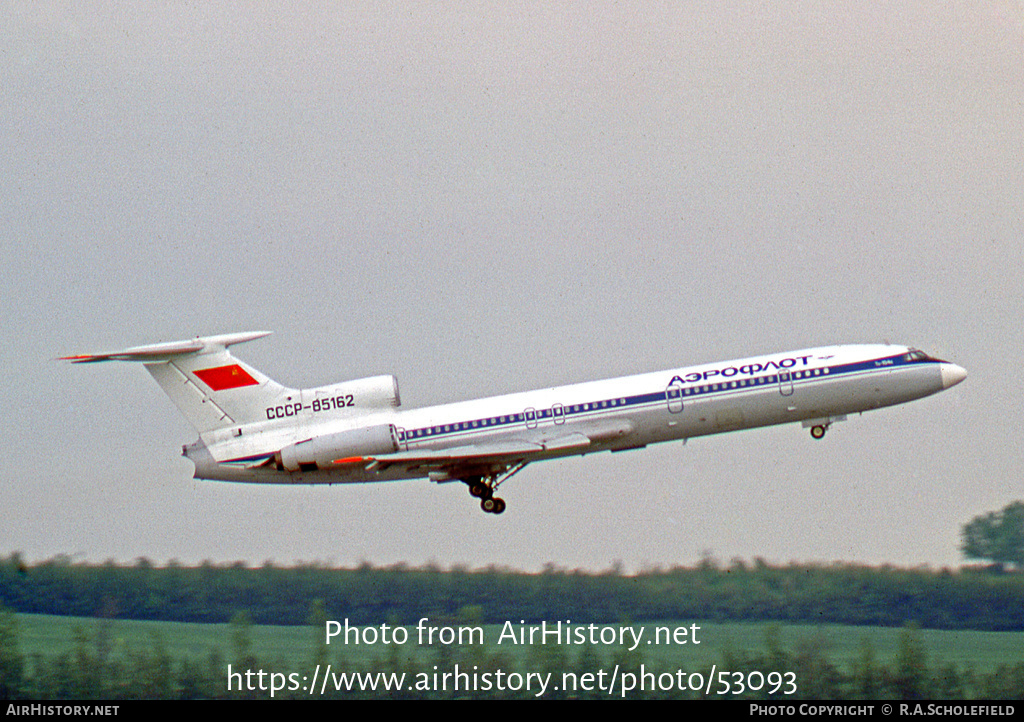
(786, 382)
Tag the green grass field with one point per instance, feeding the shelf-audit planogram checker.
(842, 645)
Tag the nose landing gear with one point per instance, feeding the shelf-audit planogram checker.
(820, 425)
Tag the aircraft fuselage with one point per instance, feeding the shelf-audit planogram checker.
(813, 386)
(253, 429)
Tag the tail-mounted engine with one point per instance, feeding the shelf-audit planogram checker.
(335, 450)
(376, 392)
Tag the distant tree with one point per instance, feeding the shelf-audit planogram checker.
(12, 663)
(318, 623)
(998, 536)
(910, 675)
(241, 641)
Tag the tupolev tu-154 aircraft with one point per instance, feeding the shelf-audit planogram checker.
(253, 429)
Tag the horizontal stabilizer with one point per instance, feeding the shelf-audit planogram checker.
(166, 351)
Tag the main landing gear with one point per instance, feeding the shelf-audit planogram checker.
(483, 487)
(484, 491)
(818, 432)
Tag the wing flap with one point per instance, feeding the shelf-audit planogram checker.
(502, 450)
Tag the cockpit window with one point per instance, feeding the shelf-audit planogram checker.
(917, 356)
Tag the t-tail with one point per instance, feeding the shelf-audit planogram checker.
(219, 394)
(210, 387)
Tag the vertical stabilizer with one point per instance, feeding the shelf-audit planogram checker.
(210, 387)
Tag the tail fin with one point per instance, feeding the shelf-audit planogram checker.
(211, 387)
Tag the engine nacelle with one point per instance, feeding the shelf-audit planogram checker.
(375, 392)
(334, 450)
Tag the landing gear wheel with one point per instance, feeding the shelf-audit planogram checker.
(818, 432)
(483, 487)
(493, 505)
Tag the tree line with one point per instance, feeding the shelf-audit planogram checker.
(971, 598)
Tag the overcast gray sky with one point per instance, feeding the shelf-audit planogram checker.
(492, 197)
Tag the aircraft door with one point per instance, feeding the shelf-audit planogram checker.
(530, 415)
(558, 413)
(786, 382)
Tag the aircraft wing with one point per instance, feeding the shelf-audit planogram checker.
(499, 454)
(498, 450)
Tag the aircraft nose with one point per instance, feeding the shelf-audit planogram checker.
(952, 374)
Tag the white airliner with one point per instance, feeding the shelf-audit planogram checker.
(252, 429)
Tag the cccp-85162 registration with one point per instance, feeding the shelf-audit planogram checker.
(318, 405)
